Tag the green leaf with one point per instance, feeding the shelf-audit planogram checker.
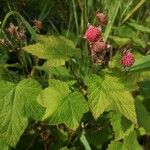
(125, 31)
(145, 88)
(56, 50)
(114, 145)
(12, 122)
(139, 27)
(121, 126)
(129, 79)
(141, 63)
(30, 89)
(143, 115)
(109, 91)
(139, 41)
(120, 41)
(4, 74)
(131, 142)
(59, 71)
(3, 55)
(100, 133)
(17, 102)
(62, 105)
(3, 145)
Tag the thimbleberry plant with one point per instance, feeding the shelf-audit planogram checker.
(63, 92)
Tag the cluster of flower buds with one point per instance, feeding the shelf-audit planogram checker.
(101, 51)
(16, 32)
(98, 47)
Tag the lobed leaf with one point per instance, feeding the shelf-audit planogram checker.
(56, 50)
(107, 91)
(17, 102)
(62, 105)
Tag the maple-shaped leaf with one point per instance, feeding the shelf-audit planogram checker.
(17, 103)
(56, 50)
(62, 105)
(109, 91)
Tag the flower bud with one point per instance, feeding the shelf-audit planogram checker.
(102, 18)
(127, 59)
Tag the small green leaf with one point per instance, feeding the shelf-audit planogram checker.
(109, 91)
(62, 105)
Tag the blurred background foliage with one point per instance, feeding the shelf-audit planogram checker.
(70, 17)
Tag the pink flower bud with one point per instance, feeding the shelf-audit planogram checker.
(128, 59)
(102, 18)
(92, 34)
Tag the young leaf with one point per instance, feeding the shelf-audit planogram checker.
(62, 105)
(121, 126)
(56, 50)
(109, 91)
(17, 102)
